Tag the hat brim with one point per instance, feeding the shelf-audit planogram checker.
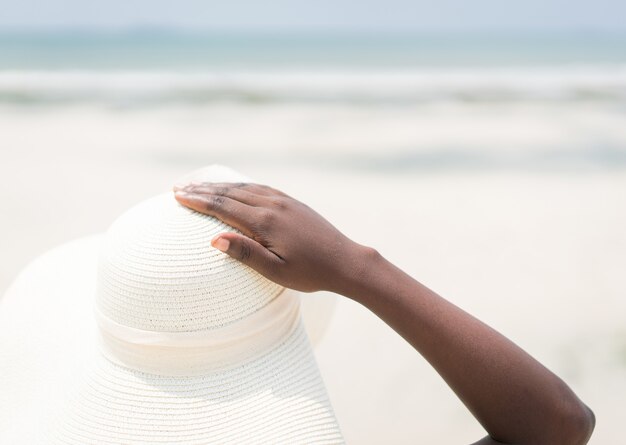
(57, 386)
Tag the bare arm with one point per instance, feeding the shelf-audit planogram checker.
(515, 398)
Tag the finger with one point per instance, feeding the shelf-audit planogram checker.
(232, 212)
(258, 189)
(236, 193)
(250, 253)
(184, 186)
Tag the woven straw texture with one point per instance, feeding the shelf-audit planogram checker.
(276, 398)
(158, 272)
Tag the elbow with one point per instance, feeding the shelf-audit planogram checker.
(577, 425)
(585, 422)
(573, 421)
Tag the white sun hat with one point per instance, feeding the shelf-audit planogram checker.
(183, 344)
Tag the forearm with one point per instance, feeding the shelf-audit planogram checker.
(514, 397)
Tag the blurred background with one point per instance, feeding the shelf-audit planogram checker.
(480, 146)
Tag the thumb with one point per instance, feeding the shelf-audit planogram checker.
(249, 252)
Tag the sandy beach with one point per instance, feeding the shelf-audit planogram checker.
(521, 233)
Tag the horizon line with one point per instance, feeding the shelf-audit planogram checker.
(108, 30)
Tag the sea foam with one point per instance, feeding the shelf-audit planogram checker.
(151, 88)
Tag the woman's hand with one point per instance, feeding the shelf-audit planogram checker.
(282, 238)
(513, 396)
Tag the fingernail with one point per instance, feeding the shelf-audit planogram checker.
(178, 187)
(181, 194)
(221, 244)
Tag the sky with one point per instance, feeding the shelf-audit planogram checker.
(412, 15)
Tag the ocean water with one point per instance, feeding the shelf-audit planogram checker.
(395, 101)
(179, 50)
(151, 68)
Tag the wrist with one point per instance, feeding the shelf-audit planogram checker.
(359, 273)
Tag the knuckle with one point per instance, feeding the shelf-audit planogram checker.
(267, 218)
(215, 202)
(261, 237)
(244, 251)
(262, 226)
(252, 187)
(220, 191)
(278, 203)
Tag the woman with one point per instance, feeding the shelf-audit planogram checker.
(514, 397)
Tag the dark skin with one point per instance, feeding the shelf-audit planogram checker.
(513, 396)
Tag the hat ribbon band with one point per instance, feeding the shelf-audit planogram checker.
(188, 353)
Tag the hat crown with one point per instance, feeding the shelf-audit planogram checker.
(158, 272)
